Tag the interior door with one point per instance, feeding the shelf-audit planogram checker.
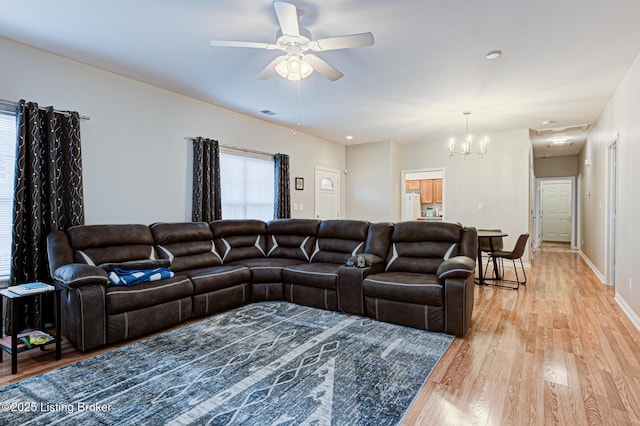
(556, 211)
(327, 193)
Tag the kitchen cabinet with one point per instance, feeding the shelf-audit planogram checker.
(426, 191)
(431, 191)
(437, 191)
(412, 185)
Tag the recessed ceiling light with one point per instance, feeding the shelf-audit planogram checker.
(349, 137)
(547, 122)
(558, 141)
(494, 54)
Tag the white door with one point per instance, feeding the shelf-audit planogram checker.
(327, 193)
(556, 211)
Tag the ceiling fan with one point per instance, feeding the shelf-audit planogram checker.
(295, 41)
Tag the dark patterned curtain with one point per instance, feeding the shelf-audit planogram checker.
(48, 196)
(206, 201)
(282, 203)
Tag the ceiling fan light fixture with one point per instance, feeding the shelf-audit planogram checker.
(294, 68)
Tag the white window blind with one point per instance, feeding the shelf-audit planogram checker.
(7, 171)
(246, 185)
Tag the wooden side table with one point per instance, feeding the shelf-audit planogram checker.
(11, 298)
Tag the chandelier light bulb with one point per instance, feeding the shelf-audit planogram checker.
(467, 144)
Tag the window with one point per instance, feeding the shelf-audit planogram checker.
(246, 185)
(7, 171)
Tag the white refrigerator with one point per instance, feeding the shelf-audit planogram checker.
(412, 209)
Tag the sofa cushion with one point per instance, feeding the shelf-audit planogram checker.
(124, 299)
(267, 270)
(135, 264)
(239, 239)
(423, 289)
(338, 240)
(292, 238)
(320, 275)
(187, 245)
(217, 278)
(97, 244)
(421, 246)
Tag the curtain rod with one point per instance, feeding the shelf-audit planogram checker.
(247, 150)
(237, 148)
(15, 105)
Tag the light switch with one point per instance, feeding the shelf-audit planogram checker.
(301, 206)
(480, 206)
(295, 206)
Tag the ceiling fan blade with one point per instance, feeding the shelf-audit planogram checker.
(271, 68)
(343, 42)
(249, 44)
(288, 18)
(322, 67)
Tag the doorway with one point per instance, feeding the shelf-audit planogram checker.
(423, 194)
(555, 207)
(327, 193)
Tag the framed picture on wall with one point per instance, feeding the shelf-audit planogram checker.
(299, 183)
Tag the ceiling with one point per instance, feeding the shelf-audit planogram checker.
(562, 60)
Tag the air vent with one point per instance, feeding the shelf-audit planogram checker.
(553, 130)
(268, 112)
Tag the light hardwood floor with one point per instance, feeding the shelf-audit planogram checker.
(556, 352)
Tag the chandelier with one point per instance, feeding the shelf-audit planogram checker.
(466, 148)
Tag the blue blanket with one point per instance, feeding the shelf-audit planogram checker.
(129, 277)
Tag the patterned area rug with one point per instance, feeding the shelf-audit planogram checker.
(271, 363)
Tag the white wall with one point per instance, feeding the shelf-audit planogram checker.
(370, 194)
(619, 119)
(136, 160)
(563, 166)
(499, 182)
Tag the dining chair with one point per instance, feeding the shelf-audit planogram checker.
(489, 245)
(513, 255)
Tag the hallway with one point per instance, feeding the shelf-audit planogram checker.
(559, 351)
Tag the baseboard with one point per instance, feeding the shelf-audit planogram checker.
(595, 270)
(635, 319)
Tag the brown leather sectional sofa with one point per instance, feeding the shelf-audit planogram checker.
(418, 274)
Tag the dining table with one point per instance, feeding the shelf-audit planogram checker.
(484, 233)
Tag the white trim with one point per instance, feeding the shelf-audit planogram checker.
(275, 245)
(302, 247)
(394, 256)
(595, 270)
(313, 273)
(635, 319)
(86, 258)
(215, 274)
(447, 255)
(167, 252)
(257, 245)
(404, 284)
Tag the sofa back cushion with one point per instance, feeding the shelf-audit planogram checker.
(187, 245)
(238, 239)
(292, 238)
(338, 240)
(98, 244)
(421, 246)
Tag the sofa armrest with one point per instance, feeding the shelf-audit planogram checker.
(458, 304)
(456, 267)
(349, 287)
(76, 275)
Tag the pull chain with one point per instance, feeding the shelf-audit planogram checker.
(296, 104)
